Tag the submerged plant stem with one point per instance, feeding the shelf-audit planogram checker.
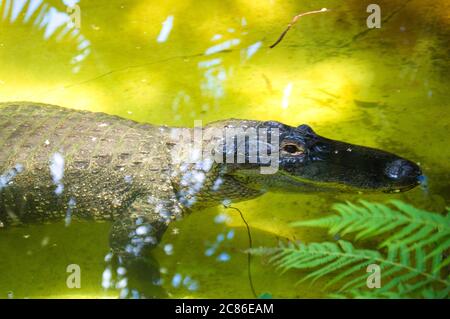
(249, 255)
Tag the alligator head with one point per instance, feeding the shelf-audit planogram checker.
(309, 162)
(305, 162)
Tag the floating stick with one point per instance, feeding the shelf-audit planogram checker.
(294, 20)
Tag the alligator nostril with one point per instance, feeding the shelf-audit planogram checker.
(401, 169)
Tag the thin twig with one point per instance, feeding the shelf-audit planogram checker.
(249, 255)
(290, 25)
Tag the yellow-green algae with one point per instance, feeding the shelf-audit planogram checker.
(386, 88)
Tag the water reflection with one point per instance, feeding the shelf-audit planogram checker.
(52, 21)
(219, 246)
(165, 31)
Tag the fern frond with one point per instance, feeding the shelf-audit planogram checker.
(326, 258)
(411, 261)
(414, 227)
(405, 272)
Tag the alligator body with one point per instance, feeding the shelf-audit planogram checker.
(60, 163)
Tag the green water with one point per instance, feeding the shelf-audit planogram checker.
(386, 88)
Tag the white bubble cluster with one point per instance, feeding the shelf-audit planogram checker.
(217, 183)
(193, 178)
(70, 206)
(220, 239)
(57, 172)
(7, 178)
(187, 282)
(168, 249)
(221, 218)
(106, 278)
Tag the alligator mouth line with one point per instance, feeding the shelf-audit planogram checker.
(335, 186)
(401, 188)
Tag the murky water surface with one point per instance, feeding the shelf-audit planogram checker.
(173, 62)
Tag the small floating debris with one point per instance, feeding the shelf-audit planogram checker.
(294, 20)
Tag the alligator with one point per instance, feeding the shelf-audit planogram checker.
(58, 163)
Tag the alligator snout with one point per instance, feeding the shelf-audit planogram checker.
(403, 173)
(330, 164)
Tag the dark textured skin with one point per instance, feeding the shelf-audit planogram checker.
(109, 162)
(115, 169)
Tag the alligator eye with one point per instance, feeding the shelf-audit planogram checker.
(292, 149)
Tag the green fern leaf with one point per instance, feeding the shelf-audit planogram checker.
(410, 268)
(415, 227)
